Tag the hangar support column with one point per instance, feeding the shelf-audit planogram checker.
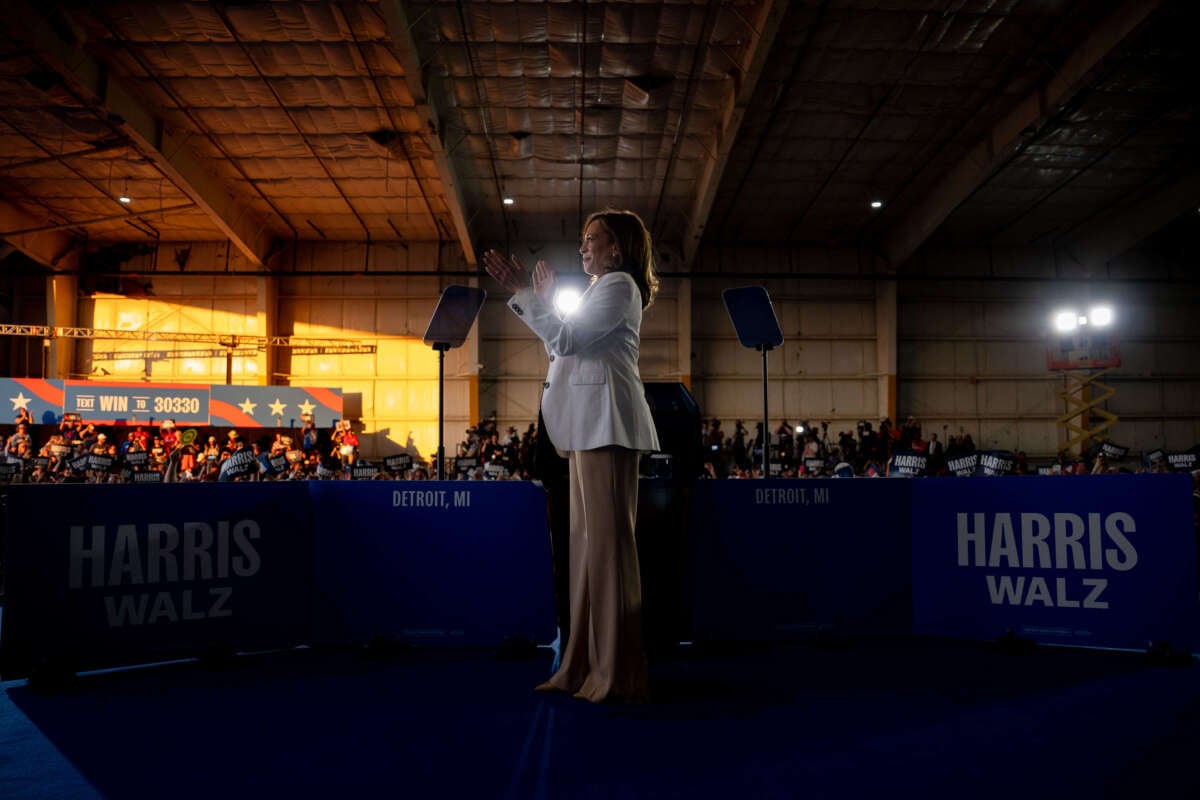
(62, 308)
(885, 346)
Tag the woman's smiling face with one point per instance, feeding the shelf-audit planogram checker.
(596, 249)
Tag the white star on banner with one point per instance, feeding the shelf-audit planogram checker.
(277, 408)
(20, 401)
(306, 407)
(247, 406)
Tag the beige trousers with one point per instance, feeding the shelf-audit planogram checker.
(604, 659)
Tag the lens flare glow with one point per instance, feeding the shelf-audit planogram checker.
(567, 300)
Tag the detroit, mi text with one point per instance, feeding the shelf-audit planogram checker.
(430, 498)
(798, 496)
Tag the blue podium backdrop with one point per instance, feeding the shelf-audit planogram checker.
(446, 562)
(1101, 560)
(775, 559)
(110, 575)
(107, 575)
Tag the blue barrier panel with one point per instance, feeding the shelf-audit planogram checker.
(108, 575)
(1095, 560)
(773, 559)
(445, 562)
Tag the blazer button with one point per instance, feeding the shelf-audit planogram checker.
(551, 358)
(546, 385)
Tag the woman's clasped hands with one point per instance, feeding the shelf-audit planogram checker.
(509, 273)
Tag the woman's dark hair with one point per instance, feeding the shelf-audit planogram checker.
(635, 250)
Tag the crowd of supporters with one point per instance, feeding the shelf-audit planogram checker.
(79, 451)
(905, 449)
(867, 450)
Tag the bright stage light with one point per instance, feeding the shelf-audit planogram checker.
(1101, 315)
(1065, 321)
(566, 300)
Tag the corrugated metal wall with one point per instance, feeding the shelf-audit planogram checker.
(971, 354)
(973, 358)
(825, 370)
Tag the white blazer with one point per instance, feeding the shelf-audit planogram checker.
(593, 395)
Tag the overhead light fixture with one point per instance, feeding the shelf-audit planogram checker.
(1066, 321)
(508, 201)
(876, 204)
(126, 199)
(1101, 315)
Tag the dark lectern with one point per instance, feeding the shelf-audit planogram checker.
(757, 327)
(452, 320)
(662, 519)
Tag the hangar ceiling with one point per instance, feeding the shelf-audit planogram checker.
(1067, 124)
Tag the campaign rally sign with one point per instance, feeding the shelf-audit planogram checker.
(187, 404)
(111, 575)
(239, 463)
(43, 399)
(773, 560)
(446, 562)
(398, 463)
(964, 466)
(1113, 451)
(136, 402)
(907, 464)
(997, 462)
(363, 471)
(1183, 462)
(274, 406)
(1098, 560)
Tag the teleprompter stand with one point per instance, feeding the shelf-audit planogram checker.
(754, 319)
(452, 320)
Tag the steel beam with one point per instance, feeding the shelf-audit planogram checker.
(405, 49)
(147, 132)
(910, 232)
(763, 32)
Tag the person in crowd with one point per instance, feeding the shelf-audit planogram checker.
(188, 459)
(346, 445)
(24, 416)
(21, 437)
(937, 454)
(741, 448)
(21, 454)
(158, 454)
(595, 410)
(308, 432)
(169, 435)
(212, 451)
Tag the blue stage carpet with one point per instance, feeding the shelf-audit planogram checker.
(907, 718)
